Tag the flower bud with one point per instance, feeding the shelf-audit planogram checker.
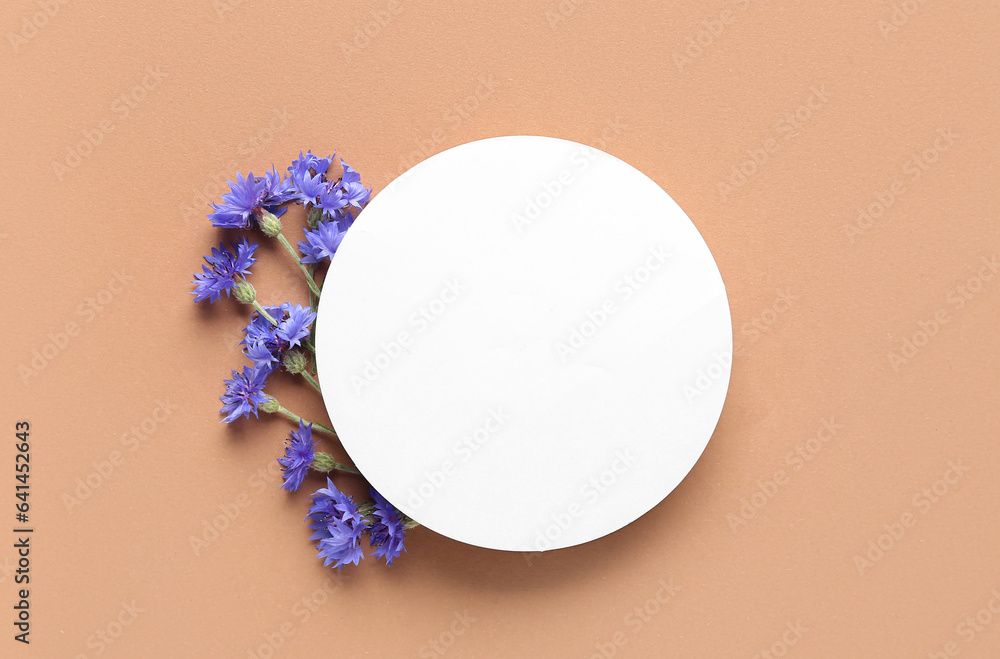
(244, 292)
(408, 522)
(314, 217)
(270, 405)
(269, 224)
(294, 361)
(323, 462)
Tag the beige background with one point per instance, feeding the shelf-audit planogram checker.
(764, 547)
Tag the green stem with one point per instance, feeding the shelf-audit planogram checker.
(260, 310)
(313, 288)
(324, 463)
(296, 418)
(342, 467)
(314, 304)
(311, 380)
(312, 296)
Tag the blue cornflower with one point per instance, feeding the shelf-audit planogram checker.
(321, 243)
(312, 187)
(338, 526)
(295, 326)
(308, 176)
(331, 200)
(343, 546)
(308, 188)
(278, 190)
(355, 194)
(244, 392)
(301, 165)
(262, 344)
(266, 343)
(226, 267)
(249, 197)
(299, 454)
(238, 203)
(329, 502)
(387, 532)
(350, 175)
(345, 220)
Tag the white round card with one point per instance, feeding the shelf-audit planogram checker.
(524, 343)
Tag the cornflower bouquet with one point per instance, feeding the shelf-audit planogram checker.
(282, 337)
